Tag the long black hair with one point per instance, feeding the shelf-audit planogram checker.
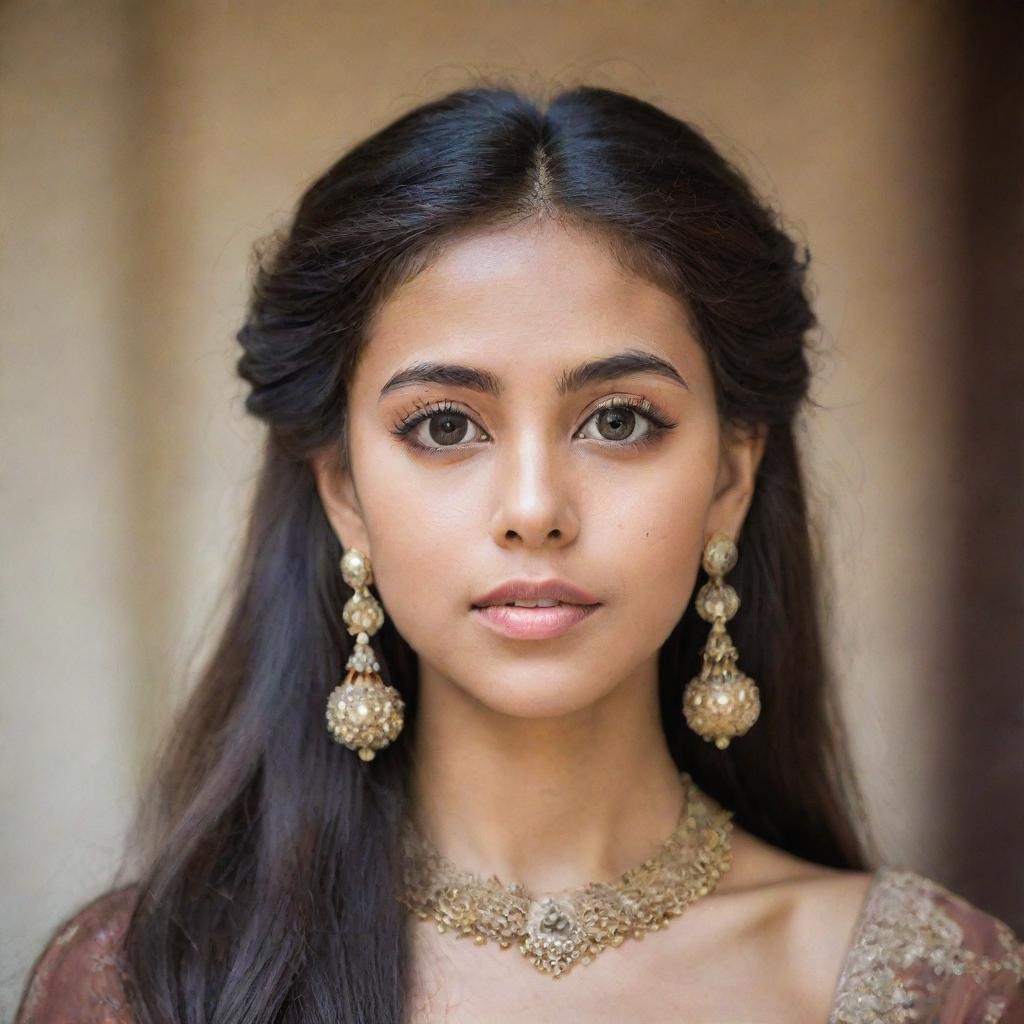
(268, 894)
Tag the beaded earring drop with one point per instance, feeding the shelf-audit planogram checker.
(363, 712)
(721, 703)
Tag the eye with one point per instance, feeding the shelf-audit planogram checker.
(444, 426)
(618, 418)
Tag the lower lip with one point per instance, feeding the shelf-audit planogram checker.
(534, 623)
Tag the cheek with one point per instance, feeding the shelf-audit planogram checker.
(420, 534)
(658, 535)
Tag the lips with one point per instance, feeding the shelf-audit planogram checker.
(563, 591)
(497, 611)
(533, 623)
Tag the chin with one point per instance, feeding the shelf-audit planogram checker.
(534, 698)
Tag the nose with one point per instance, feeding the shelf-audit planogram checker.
(535, 504)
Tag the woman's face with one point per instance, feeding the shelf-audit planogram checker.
(520, 472)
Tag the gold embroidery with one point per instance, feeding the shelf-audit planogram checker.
(909, 951)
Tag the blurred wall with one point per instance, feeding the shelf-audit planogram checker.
(147, 146)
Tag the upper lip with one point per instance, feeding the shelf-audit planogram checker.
(535, 590)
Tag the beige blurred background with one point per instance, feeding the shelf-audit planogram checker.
(146, 146)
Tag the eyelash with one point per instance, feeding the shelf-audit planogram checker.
(659, 425)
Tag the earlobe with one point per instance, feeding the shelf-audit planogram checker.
(340, 502)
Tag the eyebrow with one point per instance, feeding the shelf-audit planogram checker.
(595, 371)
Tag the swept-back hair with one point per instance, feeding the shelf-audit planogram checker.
(268, 894)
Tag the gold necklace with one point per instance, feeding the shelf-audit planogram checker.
(557, 930)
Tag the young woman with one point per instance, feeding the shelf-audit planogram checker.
(551, 354)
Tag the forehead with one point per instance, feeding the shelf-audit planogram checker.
(525, 300)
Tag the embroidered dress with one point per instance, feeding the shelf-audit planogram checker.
(919, 954)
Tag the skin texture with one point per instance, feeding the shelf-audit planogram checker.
(531, 754)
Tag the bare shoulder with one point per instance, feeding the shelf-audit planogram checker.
(815, 909)
(78, 975)
(757, 865)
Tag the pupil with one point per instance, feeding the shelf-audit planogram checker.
(621, 421)
(450, 425)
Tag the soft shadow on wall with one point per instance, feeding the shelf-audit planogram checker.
(985, 661)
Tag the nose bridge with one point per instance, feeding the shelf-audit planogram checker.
(533, 485)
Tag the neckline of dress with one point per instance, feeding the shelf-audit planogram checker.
(878, 876)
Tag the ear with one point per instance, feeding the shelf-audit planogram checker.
(740, 455)
(340, 500)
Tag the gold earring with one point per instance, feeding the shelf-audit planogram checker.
(721, 702)
(363, 712)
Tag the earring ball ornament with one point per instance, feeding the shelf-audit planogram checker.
(717, 601)
(365, 716)
(720, 555)
(355, 569)
(722, 707)
(363, 712)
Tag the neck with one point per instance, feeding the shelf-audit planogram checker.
(550, 803)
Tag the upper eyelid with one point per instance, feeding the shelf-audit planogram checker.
(436, 406)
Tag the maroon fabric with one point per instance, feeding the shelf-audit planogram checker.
(79, 976)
